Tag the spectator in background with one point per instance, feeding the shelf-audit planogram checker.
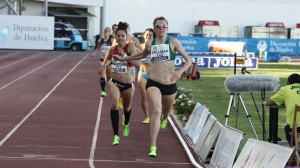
(288, 95)
(63, 32)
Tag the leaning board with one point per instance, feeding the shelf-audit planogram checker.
(209, 141)
(226, 148)
(196, 122)
(258, 153)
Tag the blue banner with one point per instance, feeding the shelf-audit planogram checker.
(218, 62)
(282, 46)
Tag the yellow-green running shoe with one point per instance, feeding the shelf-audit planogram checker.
(120, 103)
(123, 119)
(116, 140)
(103, 94)
(126, 130)
(146, 120)
(163, 123)
(152, 151)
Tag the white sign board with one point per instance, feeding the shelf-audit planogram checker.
(226, 148)
(258, 153)
(26, 32)
(192, 116)
(196, 122)
(204, 133)
(206, 140)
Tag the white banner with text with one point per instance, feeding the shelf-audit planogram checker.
(26, 32)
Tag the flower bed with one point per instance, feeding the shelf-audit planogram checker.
(184, 104)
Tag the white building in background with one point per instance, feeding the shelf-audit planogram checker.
(182, 15)
(84, 15)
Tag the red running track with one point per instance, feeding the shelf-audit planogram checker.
(51, 116)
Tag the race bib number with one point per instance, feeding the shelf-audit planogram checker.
(160, 53)
(104, 49)
(119, 66)
(146, 60)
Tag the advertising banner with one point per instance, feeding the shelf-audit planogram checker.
(282, 46)
(256, 45)
(194, 44)
(218, 62)
(26, 32)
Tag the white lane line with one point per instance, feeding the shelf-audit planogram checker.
(10, 54)
(31, 72)
(144, 161)
(21, 60)
(185, 146)
(38, 105)
(92, 153)
(49, 139)
(54, 157)
(45, 147)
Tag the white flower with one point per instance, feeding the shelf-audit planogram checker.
(180, 88)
